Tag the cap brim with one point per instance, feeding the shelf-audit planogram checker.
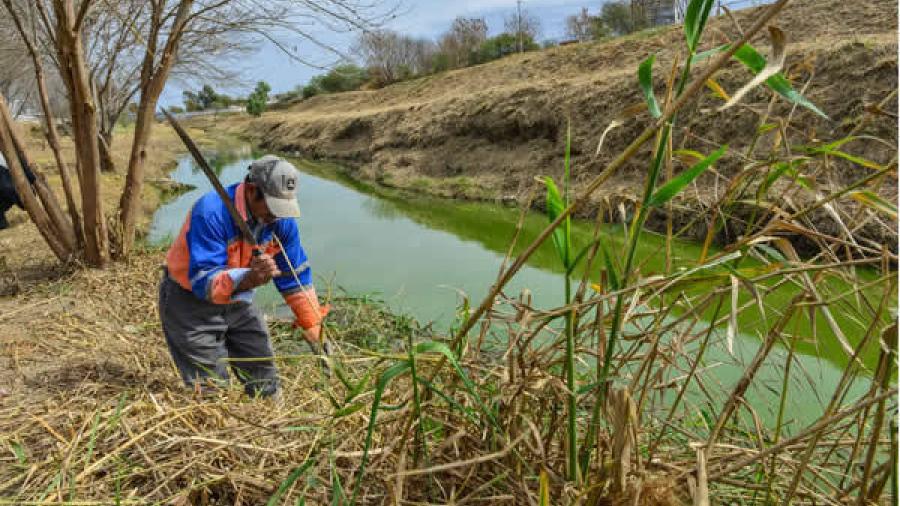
(283, 208)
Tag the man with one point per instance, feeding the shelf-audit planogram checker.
(8, 195)
(205, 296)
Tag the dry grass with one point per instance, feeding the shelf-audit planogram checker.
(92, 408)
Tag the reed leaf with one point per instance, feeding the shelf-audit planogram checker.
(674, 187)
(645, 78)
(756, 62)
(289, 481)
(386, 377)
(554, 207)
(695, 18)
(870, 199)
(858, 160)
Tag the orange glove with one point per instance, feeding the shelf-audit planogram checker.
(309, 314)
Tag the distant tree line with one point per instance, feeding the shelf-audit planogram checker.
(387, 56)
(207, 98)
(615, 19)
(390, 56)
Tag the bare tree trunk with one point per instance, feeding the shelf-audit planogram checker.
(51, 133)
(152, 82)
(106, 161)
(61, 225)
(24, 190)
(64, 173)
(85, 133)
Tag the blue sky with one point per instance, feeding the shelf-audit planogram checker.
(421, 18)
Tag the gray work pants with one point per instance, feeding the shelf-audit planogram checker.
(205, 339)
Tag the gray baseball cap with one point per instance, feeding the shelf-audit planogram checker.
(278, 179)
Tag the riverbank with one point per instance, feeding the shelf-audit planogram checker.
(486, 131)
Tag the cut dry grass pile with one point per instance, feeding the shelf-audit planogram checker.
(92, 408)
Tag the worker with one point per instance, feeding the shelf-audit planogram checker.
(206, 292)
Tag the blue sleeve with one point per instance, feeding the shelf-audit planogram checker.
(289, 235)
(207, 239)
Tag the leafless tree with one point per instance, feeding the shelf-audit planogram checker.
(100, 47)
(523, 25)
(581, 26)
(15, 85)
(463, 39)
(391, 56)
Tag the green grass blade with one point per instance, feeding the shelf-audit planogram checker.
(645, 77)
(469, 412)
(337, 489)
(386, 377)
(92, 440)
(443, 349)
(292, 477)
(674, 187)
(19, 451)
(347, 410)
(779, 170)
(580, 256)
(359, 387)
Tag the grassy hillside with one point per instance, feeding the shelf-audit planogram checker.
(484, 132)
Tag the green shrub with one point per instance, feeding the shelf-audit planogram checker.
(256, 102)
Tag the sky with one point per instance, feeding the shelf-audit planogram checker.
(419, 18)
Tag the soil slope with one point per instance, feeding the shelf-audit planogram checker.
(486, 131)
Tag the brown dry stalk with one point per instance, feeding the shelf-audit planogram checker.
(820, 425)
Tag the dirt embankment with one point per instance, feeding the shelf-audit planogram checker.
(485, 132)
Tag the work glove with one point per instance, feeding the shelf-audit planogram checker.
(312, 334)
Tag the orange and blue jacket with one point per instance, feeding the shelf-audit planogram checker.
(210, 256)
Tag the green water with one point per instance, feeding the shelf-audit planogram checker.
(418, 254)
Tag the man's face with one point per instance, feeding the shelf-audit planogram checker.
(257, 204)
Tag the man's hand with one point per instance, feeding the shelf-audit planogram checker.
(313, 335)
(262, 269)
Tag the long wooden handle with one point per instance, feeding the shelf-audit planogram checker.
(229, 204)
